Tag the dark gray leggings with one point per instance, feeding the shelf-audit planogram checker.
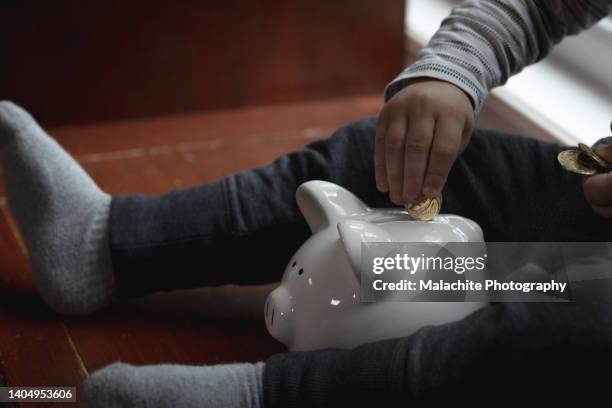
(244, 228)
(511, 185)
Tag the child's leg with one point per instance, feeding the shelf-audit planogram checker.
(531, 348)
(508, 351)
(516, 190)
(242, 229)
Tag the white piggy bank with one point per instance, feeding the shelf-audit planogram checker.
(317, 303)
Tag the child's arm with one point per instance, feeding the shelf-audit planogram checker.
(478, 47)
(483, 42)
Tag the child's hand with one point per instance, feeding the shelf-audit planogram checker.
(421, 131)
(598, 189)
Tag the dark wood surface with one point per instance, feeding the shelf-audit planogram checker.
(70, 61)
(202, 326)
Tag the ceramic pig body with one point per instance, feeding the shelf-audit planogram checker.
(317, 303)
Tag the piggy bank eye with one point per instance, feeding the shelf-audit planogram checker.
(301, 271)
(294, 263)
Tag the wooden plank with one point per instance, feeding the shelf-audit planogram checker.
(217, 131)
(112, 59)
(217, 126)
(177, 328)
(155, 173)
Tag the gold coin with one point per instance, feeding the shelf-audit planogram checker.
(418, 207)
(432, 209)
(592, 155)
(571, 160)
(425, 210)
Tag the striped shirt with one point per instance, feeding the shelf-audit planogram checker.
(484, 42)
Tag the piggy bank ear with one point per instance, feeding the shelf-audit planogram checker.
(324, 204)
(353, 233)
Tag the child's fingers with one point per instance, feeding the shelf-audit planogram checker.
(408, 133)
(395, 138)
(380, 166)
(444, 150)
(598, 190)
(605, 152)
(418, 143)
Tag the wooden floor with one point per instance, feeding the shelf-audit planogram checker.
(206, 326)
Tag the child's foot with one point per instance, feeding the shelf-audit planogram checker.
(62, 214)
(229, 385)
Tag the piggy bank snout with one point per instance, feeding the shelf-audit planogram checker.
(278, 310)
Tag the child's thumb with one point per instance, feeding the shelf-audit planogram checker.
(603, 148)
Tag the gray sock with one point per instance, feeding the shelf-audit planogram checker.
(62, 215)
(227, 385)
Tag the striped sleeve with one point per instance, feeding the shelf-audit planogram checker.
(484, 42)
